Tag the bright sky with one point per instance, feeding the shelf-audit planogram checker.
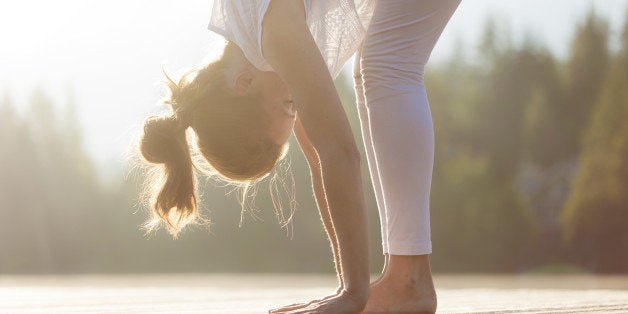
(110, 53)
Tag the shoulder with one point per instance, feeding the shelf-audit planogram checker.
(282, 16)
(288, 46)
(284, 26)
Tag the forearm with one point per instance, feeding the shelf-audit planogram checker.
(314, 164)
(323, 208)
(343, 190)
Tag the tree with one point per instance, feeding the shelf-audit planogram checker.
(586, 70)
(596, 214)
(480, 222)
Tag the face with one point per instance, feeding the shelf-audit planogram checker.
(276, 97)
(277, 102)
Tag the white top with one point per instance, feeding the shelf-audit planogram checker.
(337, 26)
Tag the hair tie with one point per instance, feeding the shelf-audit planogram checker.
(183, 118)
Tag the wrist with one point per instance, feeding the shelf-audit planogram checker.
(358, 293)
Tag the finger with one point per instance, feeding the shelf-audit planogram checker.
(312, 308)
(291, 307)
(288, 308)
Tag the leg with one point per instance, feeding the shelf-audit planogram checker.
(370, 154)
(399, 41)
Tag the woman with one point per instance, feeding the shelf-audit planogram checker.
(275, 75)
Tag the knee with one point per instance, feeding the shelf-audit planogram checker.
(358, 84)
(390, 71)
(357, 73)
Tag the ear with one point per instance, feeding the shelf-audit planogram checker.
(244, 82)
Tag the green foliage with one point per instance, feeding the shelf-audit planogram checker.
(586, 70)
(480, 222)
(544, 134)
(596, 214)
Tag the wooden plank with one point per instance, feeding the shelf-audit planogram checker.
(204, 293)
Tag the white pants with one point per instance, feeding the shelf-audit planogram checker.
(395, 116)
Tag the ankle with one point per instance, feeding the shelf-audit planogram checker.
(409, 260)
(413, 266)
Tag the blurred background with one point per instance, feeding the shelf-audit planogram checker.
(530, 107)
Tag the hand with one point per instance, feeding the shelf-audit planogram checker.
(296, 306)
(343, 302)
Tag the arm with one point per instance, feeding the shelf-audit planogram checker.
(319, 192)
(290, 49)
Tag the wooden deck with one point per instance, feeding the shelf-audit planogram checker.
(203, 293)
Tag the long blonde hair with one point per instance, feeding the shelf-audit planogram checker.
(229, 133)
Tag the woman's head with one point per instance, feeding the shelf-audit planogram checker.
(241, 118)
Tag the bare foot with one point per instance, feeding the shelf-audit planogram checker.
(403, 290)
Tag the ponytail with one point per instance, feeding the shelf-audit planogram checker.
(164, 142)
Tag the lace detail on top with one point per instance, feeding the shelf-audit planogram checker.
(337, 26)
